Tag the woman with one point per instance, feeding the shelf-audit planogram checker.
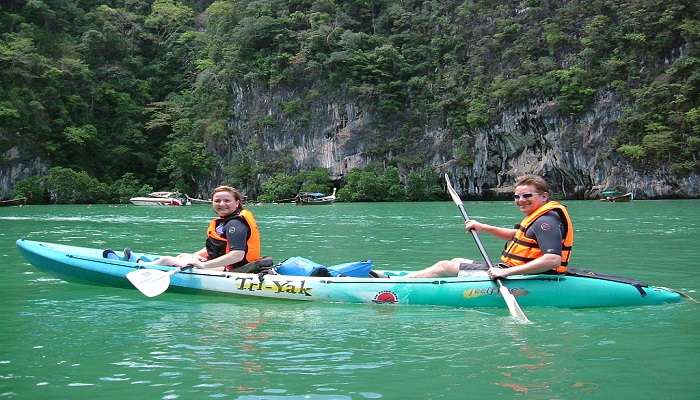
(233, 239)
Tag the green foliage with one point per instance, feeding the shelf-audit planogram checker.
(684, 167)
(169, 17)
(372, 184)
(184, 161)
(279, 187)
(692, 118)
(32, 188)
(463, 151)
(659, 144)
(632, 151)
(66, 186)
(77, 79)
(80, 135)
(316, 180)
(693, 144)
(128, 186)
(423, 185)
(574, 94)
(285, 187)
(363, 185)
(396, 191)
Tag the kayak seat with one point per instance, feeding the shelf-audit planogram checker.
(253, 267)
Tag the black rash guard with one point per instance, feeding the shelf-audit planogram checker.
(236, 233)
(548, 231)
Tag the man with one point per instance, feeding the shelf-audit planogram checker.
(541, 242)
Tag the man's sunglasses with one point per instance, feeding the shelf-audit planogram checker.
(523, 196)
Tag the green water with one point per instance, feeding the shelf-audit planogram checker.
(61, 340)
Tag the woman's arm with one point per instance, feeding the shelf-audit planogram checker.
(202, 254)
(219, 262)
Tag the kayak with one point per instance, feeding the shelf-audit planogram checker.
(587, 289)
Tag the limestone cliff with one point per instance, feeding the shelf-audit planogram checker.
(575, 154)
(15, 168)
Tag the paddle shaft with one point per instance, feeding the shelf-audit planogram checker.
(513, 306)
(479, 244)
(475, 235)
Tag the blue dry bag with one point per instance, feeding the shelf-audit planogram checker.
(300, 266)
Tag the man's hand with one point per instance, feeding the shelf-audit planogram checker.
(473, 225)
(496, 273)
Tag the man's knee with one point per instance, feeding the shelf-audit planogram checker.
(448, 267)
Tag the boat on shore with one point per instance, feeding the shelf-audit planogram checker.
(195, 201)
(20, 201)
(161, 199)
(616, 197)
(309, 198)
(623, 198)
(585, 289)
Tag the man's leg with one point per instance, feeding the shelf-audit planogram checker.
(440, 268)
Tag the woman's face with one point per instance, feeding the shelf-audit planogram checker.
(224, 203)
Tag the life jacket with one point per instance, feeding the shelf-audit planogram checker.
(522, 249)
(217, 245)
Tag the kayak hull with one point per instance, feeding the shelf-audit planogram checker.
(86, 265)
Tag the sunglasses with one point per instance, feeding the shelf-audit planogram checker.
(523, 196)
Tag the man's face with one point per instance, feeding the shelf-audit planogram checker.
(528, 199)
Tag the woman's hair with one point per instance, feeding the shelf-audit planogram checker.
(532, 180)
(235, 193)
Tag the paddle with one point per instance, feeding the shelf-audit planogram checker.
(152, 282)
(513, 306)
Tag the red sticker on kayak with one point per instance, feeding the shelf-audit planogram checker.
(386, 296)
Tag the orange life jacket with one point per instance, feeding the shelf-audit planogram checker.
(217, 245)
(522, 249)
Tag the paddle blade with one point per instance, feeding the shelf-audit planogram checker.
(451, 190)
(150, 282)
(515, 311)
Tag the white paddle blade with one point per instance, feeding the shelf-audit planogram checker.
(150, 282)
(515, 311)
(451, 190)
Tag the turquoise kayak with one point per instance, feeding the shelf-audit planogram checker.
(587, 289)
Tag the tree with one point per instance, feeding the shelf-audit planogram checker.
(279, 187)
(32, 188)
(66, 186)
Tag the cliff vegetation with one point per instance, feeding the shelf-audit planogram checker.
(128, 95)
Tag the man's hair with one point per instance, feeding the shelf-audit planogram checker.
(533, 180)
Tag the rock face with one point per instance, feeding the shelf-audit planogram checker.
(574, 154)
(16, 168)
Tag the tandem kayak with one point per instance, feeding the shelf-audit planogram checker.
(587, 289)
